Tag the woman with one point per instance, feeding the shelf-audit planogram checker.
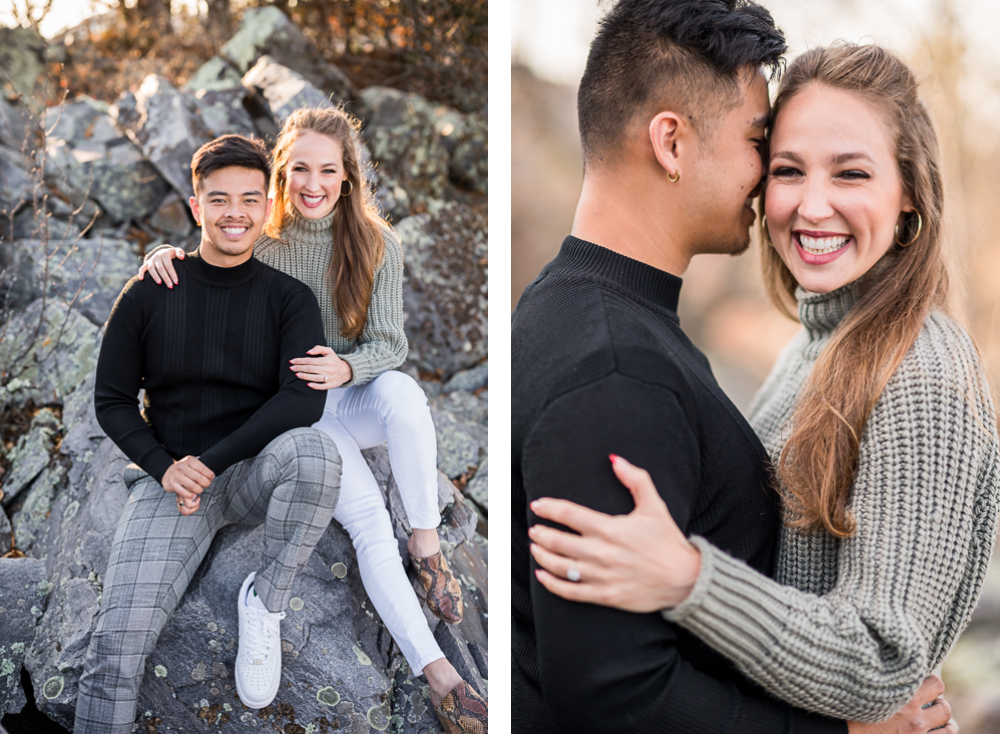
(324, 229)
(877, 418)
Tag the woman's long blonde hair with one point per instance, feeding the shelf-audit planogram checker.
(819, 461)
(358, 246)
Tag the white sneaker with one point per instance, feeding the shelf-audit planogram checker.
(258, 663)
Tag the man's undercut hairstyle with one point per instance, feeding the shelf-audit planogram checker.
(226, 151)
(686, 56)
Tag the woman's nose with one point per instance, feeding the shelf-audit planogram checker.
(815, 205)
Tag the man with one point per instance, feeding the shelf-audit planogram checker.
(672, 110)
(221, 438)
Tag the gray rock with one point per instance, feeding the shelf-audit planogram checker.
(478, 487)
(214, 75)
(457, 447)
(48, 350)
(22, 594)
(406, 135)
(15, 183)
(96, 160)
(340, 666)
(38, 223)
(30, 455)
(224, 113)
(166, 126)
(87, 273)
(173, 218)
(22, 58)
(15, 124)
(269, 32)
(468, 165)
(469, 408)
(469, 380)
(5, 533)
(445, 288)
(284, 89)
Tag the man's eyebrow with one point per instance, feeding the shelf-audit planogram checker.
(761, 121)
(226, 193)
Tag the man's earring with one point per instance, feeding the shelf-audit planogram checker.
(674, 178)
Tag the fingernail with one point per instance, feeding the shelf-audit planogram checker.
(531, 532)
(613, 457)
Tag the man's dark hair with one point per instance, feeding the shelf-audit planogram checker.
(226, 151)
(683, 55)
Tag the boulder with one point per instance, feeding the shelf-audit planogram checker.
(94, 158)
(458, 448)
(173, 218)
(15, 183)
(89, 273)
(6, 531)
(477, 489)
(165, 124)
(15, 124)
(22, 591)
(269, 32)
(214, 75)
(22, 58)
(284, 89)
(471, 408)
(469, 380)
(341, 670)
(224, 113)
(445, 288)
(425, 146)
(30, 455)
(48, 350)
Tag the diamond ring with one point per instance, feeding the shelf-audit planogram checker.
(574, 573)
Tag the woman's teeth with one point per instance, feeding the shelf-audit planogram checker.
(822, 245)
(312, 200)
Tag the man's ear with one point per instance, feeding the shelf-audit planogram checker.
(195, 209)
(667, 134)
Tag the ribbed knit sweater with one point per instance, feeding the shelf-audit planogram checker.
(212, 356)
(850, 628)
(304, 252)
(599, 364)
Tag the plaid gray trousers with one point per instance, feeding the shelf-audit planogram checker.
(291, 487)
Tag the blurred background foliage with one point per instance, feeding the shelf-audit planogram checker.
(951, 44)
(436, 48)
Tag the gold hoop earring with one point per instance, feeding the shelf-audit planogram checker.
(675, 178)
(350, 188)
(920, 225)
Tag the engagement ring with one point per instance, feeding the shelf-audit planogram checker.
(573, 574)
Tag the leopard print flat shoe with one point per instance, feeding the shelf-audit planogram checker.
(463, 711)
(444, 595)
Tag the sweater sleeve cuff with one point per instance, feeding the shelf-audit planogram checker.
(362, 371)
(710, 556)
(156, 464)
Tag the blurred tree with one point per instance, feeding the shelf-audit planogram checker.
(220, 19)
(30, 13)
(147, 20)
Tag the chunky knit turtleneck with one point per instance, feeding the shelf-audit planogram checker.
(850, 628)
(304, 251)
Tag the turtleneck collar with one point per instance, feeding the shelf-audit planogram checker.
(821, 313)
(654, 285)
(308, 231)
(213, 275)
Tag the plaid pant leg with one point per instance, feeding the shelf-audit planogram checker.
(292, 486)
(154, 555)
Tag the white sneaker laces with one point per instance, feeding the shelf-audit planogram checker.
(264, 626)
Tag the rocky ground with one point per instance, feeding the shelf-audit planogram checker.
(85, 187)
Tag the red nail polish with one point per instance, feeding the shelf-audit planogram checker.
(613, 457)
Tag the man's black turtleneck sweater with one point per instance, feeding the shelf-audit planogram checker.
(212, 355)
(600, 365)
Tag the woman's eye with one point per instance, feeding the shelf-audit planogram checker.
(784, 172)
(854, 175)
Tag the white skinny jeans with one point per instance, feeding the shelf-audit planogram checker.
(391, 408)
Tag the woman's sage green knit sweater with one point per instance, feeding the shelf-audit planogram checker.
(850, 628)
(304, 252)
